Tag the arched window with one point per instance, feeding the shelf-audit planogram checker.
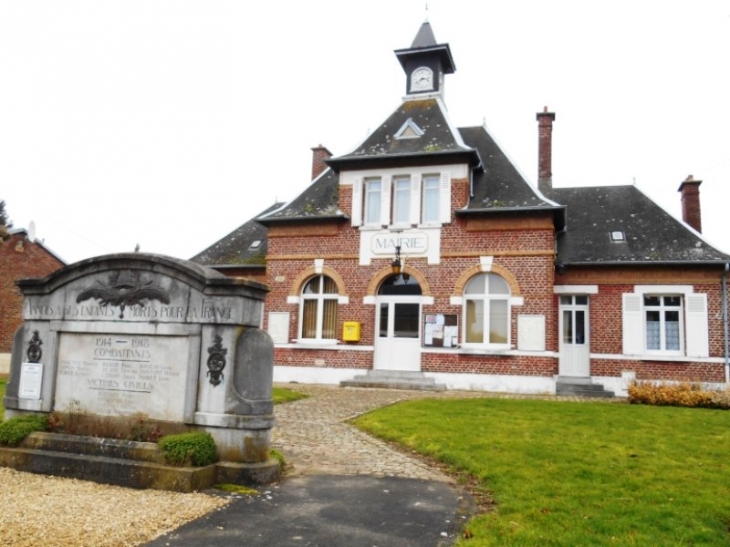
(486, 311)
(318, 310)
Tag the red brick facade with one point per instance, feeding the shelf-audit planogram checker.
(581, 284)
(19, 259)
(522, 250)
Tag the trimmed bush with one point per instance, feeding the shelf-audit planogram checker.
(16, 429)
(195, 449)
(681, 394)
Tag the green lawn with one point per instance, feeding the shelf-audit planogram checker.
(283, 395)
(578, 474)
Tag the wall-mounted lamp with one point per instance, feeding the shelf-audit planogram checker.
(396, 266)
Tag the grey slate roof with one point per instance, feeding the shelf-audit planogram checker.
(320, 200)
(439, 138)
(235, 249)
(424, 37)
(425, 42)
(651, 234)
(499, 186)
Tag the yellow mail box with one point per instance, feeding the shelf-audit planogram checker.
(351, 331)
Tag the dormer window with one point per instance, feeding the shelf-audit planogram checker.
(409, 130)
(403, 199)
(618, 236)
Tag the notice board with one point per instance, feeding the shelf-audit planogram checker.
(440, 330)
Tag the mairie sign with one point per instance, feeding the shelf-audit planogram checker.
(410, 243)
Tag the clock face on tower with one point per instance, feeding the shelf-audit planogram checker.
(422, 79)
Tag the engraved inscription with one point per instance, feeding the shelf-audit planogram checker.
(122, 374)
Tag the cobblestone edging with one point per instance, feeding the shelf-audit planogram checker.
(314, 438)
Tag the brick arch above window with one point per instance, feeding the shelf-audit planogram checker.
(379, 277)
(501, 271)
(298, 285)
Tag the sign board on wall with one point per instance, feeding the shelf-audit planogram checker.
(423, 242)
(531, 332)
(31, 378)
(279, 327)
(440, 331)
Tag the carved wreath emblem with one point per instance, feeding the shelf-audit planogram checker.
(34, 352)
(125, 288)
(216, 361)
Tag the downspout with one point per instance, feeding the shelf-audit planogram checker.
(725, 321)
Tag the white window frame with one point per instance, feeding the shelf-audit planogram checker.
(486, 298)
(431, 185)
(372, 211)
(401, 200)
(320, 298)
(663, 308)
(363, 214)
(694, 327)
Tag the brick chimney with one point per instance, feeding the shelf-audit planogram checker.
(545, 121)
(319, 154)
(691, 213)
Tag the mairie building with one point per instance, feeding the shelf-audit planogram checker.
(424, 258)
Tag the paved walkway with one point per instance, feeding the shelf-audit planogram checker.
(314, 438)
(345, 488)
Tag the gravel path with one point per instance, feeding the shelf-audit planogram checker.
(53, 512)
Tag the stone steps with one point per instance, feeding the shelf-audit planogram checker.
(394, 379)
(123, 463)
(581, 387)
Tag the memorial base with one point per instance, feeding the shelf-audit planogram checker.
(126, 463)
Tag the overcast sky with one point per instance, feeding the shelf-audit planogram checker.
(169, 124)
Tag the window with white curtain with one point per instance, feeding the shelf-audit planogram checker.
(431, 192)
(486, 311)
(663, 323)
(669, 320)
(318, 311)
(401, 200)
(373, 196)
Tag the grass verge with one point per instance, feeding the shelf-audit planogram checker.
(572, 474)
(283, 395)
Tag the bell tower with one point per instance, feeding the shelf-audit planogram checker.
(425, 63)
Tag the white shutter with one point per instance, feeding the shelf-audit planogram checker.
(356, 214)
(385, 201)
(415, 212)
(696, 325)
(445, 198)
(633, 324)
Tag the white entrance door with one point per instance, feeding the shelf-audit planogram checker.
(574, 336)
(398, 341)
